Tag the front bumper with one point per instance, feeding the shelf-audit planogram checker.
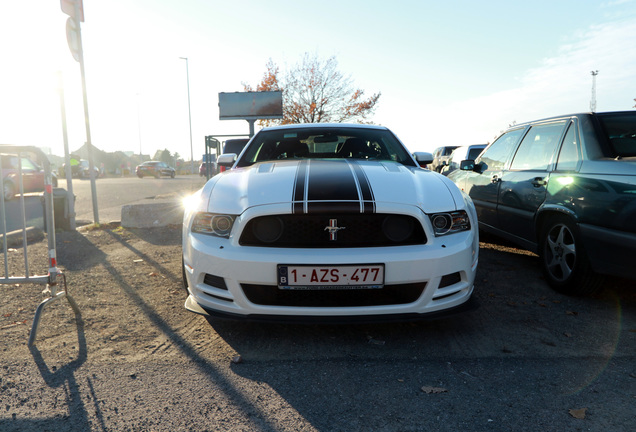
(240, 282)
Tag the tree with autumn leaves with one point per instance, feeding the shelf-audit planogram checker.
(315, 91)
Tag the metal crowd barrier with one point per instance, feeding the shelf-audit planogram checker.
(54, 274)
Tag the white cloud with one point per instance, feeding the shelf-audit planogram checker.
(561, 85)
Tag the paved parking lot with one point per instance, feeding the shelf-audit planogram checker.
(527, 359)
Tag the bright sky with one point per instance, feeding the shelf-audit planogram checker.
(450, 72)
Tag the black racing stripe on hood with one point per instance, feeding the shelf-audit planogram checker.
(298, 194)
(336, 185)
(368, 200)
(331, 207)
(331, 181)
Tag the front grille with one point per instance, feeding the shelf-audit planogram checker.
(268, 295)
(311, 231)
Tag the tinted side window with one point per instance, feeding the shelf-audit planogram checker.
(497, 154)
(620, 129)
(538, 146)
(569, 155)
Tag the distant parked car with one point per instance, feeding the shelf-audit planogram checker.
(440, 156)
(208, 162)
(81, 169)
(32, 176)
(460, 154)
(155, 169)
(564, 187)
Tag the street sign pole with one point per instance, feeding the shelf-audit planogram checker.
(77, 16)
(67, 158)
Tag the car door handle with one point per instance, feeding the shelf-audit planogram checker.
(539, 181)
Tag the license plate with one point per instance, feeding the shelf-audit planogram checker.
(301, 277)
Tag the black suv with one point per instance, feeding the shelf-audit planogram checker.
(565, 188)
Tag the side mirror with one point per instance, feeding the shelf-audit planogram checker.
(470, 165)
(467, 165)
(423, 158)
(227, 160)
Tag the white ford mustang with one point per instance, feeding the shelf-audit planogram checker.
(328, 222)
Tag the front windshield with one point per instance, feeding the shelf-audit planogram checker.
(325, 143)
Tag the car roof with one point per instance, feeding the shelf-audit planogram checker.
(324, 126)
(580, 114)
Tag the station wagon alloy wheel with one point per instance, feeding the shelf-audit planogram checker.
(560, 254)
(565, 262)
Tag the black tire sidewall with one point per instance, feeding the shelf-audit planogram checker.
(582, 280)
(11, 186)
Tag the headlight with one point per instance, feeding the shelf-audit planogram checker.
(448, 223)
(219, 225)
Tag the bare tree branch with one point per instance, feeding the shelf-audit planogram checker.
(315, 91)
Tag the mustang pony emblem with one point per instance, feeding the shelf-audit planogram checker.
(333, 229)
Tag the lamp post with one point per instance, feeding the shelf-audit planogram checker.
(139, 126)
(189, 113)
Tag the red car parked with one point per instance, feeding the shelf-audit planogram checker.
(32, 176)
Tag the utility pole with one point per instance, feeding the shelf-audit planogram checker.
(593, 100)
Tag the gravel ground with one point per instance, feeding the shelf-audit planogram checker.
(527, 359)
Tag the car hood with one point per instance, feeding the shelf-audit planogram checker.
(317, 185)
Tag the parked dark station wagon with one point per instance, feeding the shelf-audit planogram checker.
(565, 188)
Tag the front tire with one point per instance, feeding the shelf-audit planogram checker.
(565, 263)
(184, 280)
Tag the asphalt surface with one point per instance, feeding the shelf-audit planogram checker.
(112, 193)
(526, 359)
(115, 192)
